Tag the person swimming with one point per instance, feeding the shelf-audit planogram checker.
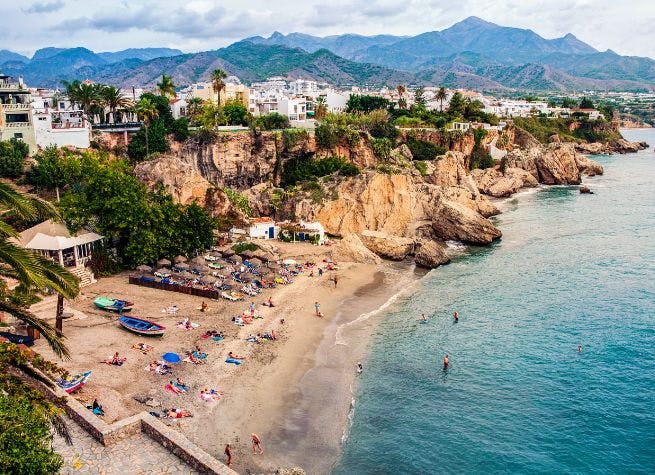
(360, 368)
(456, 316)
(445, 362)
(579, 348)
(423, 318)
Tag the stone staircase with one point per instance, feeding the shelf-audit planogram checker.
(86, 276)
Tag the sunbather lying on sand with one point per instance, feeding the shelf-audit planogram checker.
(143, 348)
(209, 395)
(252, 338)
(233, 356)
(213, 334)
(176, 413)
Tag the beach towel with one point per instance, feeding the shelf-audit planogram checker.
(197, 360)
(210, 396)
(217, 338)
(201, 356)
(182, 325)
(175, 390)
(181, 387)
(233, 361)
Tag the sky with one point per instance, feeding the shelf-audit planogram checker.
(625, 26)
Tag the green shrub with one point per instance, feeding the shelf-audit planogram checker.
(272, 121)
(424, 150)
(382, 148)
(302, 169)
(292, 137)
(422, 167)
(409, 122)
(12, 157)
(156, 142)
(386, 169)
(239, 201)
(244, 246)
(327, 135)
(180, 129)
(234, 112)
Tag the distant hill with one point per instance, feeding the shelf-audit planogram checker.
(144, 54)
(473, 53)
(6, 55)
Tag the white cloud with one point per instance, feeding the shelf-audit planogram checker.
(208, 24)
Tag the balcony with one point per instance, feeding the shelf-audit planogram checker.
(17, 125)
(15, 107)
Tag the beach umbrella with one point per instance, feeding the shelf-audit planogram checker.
(187, 275)
(171, 357)
(163, 270)
(236, 258)
(247, 277)
(228, 253)
(289, 262)
(208, 279)
(198, 260)
(163, 262)
(265, 257)
(182, 265)
(179, 259)
(216, 254)
(143, 268)
(255, 262)
(247, 254)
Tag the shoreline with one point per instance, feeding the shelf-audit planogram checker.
(318, 421)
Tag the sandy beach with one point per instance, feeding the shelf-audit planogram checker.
(282, 385)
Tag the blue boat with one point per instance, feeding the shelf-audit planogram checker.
(141, 326)
(73, 383)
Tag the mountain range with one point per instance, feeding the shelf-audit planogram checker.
(472, 53)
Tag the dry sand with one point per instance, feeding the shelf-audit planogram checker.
(258, 396)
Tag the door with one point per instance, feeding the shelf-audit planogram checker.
(271, 232)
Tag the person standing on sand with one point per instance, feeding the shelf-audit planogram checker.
(228, 454)
(252, 309)
(320, 272)
(336, 279)
(317, 307)
(256, 444)
(445, 362)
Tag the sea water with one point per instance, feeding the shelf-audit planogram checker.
(518, 396)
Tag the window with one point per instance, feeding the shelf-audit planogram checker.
(18, 135)
(62, 105)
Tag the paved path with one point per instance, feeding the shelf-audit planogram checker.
(136, 455)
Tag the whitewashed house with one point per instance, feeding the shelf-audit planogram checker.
(262, 228)
(63, 126)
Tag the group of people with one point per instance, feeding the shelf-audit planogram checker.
(424, 319)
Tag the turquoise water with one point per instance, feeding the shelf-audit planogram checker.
(518, 397)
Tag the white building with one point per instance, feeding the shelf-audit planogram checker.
(335, 101)
(64, 127)
(179, 107)
(295, 108)
(262, 228)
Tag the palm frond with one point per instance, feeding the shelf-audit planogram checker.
(54, 339)
(59, 279)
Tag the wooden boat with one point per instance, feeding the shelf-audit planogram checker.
(73, 383)
(113, 305)
(141, 326)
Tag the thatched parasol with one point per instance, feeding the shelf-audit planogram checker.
(163, 262)
(236, 258)
(255, 262)
(208, 279)
(228, 253)
(163, 270)
(179, 259)
(247, 254)
(143, 268)
(187, 275)
(198, 260)
(182, 265)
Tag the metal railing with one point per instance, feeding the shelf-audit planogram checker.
(14, 107)
(17, 125)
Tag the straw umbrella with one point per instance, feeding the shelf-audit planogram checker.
(236, 258)
(163, 263)
(143, 268)
(198, 260)
(182, 265)
(179, 259)
(247, 254)
(208, 279)
(164, 270)
(228, 253)
(255, 262)
(187, 275)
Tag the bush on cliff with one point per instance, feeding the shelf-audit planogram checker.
(272, 121)
(157, 142)
(300, 169)
(12, 157)
(424, 150)
(180, 129)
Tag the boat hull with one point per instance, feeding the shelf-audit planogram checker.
(141, 327)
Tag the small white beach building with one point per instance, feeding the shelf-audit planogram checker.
(262, 228)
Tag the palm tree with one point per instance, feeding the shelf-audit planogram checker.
(145, 109)
(402, 102)
(218, 83)
(113, 99)
(320, 111)
(85, 94)
(194, 108)
(166, 87)
(441, 96)
(34, 272)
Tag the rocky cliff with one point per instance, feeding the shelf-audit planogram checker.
(390, 208)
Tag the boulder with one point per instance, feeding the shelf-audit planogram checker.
(387, 245)
(557, 165)
(587, 166)
(352, 249)
(593, 148)
(457, 222)
(430, 254)
(401, 155)
(494, 183)
(554, 139)
(586, 190)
